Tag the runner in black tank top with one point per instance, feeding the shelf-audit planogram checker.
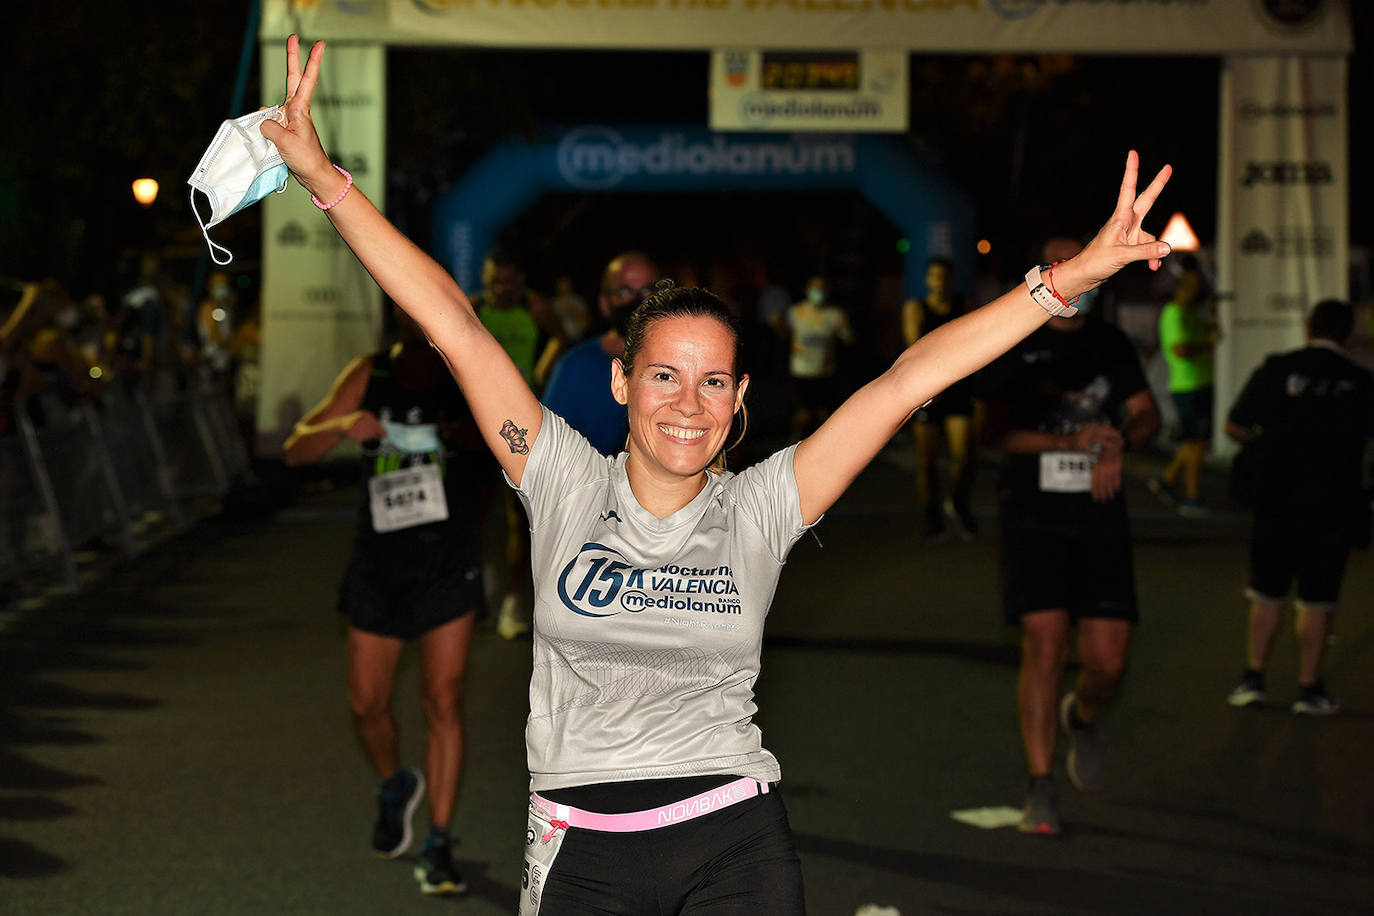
(415, 572)
(947, 421)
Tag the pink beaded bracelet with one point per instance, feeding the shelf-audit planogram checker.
(348, 186)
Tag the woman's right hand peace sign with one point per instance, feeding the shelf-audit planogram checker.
(294, 134)
(1122, 240)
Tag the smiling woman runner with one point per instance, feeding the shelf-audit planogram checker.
(654, 570)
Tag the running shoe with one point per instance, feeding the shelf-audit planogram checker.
(436, 872)
(510, 623)
(1192, 508)
(397, 799)
(1249, 692)
(1085, 754)
(1162, 490)
(1041, 811)
(1313, 701)
(961, 517)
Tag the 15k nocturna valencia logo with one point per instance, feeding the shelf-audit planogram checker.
(599, 582)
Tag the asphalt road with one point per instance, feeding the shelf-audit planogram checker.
(176, 739)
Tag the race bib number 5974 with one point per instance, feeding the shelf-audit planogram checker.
(408, 497)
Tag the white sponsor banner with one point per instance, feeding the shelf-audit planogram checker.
(824, 91)
(319, 307)
(1015, 26)
(1282, 211)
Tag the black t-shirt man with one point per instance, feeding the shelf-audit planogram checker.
(1315, 410)
(1059, 381)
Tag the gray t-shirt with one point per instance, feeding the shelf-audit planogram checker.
(647, 631)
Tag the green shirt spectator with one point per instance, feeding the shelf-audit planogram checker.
(1191, 327)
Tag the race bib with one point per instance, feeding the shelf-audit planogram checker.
(408, 497)
(539, 856)
(1066, 472)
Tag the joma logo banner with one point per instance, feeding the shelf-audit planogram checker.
(1287, 173)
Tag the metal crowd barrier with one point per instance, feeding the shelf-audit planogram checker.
(105, 472)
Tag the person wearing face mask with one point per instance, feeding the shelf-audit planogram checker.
(1063, 406)
(814, 327)
(578, 390)
(654, 570)
(41, 337)
(415, 573)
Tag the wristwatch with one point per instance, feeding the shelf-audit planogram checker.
(1044, 297)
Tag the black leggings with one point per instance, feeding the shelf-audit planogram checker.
(737, 860)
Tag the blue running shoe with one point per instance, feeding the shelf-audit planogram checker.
(397, 799)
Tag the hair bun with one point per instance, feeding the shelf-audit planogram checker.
(664, 284)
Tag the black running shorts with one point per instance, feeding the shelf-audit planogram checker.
(738, 859)
(407, 588)
(1086, 575)
(1288, 544)
(954, 401)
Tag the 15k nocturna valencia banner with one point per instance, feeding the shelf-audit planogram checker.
(319, 307)
(1282, 209)
(1017, 26)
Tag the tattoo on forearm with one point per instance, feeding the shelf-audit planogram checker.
(515, 438)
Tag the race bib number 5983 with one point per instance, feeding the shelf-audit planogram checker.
(1066, 472)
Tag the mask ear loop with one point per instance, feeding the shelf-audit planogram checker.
(228, 255)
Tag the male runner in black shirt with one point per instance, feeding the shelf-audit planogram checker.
(1063, 405)
(1310, 413)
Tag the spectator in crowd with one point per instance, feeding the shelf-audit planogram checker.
(814, 326)
(15, 299)
(40, 343)
(1064, 405)
(143, 321)
(245, 353)
(579, 390)
(516, 316)
(570, 309)
(1188, 336)
(946, 423)
(215, 322)
(1306, 417)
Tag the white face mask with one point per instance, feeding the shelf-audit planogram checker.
(416, 439)
(240, 168)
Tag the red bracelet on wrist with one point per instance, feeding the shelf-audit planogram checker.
(1053, 291)
(348, 186)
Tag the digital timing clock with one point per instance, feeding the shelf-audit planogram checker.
(811, 72)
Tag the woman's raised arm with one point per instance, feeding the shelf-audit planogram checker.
(828, 460)
(506, 411)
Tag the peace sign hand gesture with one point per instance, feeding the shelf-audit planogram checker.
(294, 132)
(1122, 241)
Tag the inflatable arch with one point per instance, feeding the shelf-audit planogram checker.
(934, 217)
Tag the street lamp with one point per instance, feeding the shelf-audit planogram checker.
(145, 191)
